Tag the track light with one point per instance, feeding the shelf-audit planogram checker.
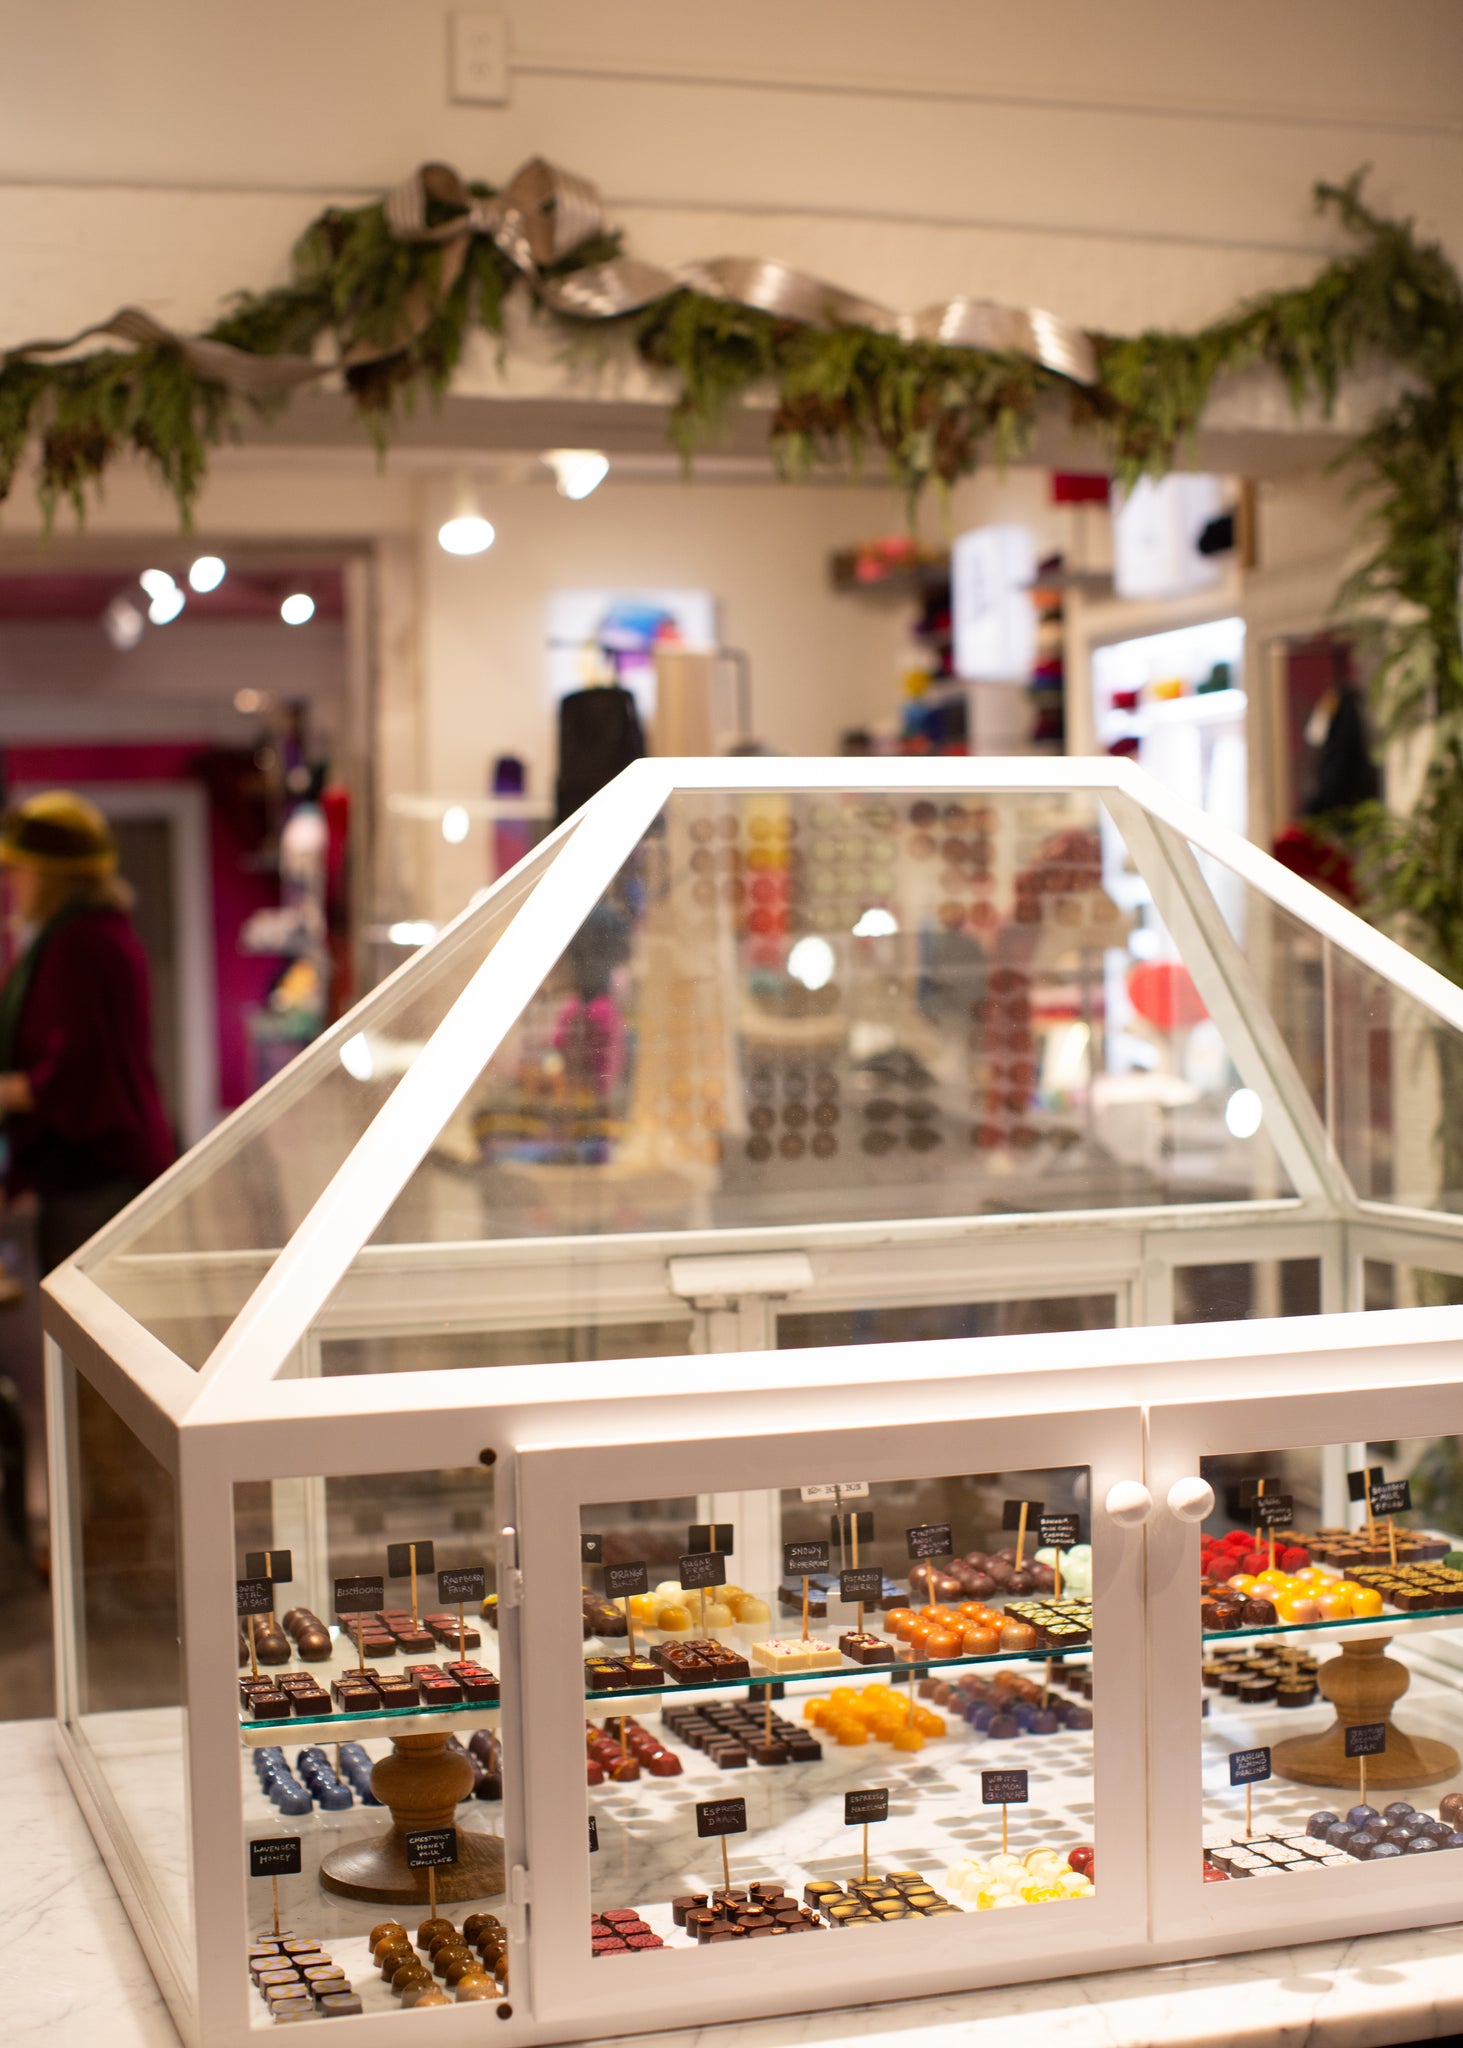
(465, 531)
(577, 471)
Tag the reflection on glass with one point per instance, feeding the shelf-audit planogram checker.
(774, 1670)
(1232, 1292)
(1039, 1316)
(1333, 1652)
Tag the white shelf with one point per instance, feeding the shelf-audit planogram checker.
(1214, 707)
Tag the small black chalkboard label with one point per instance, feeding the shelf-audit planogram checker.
(721, 1817)
(1368, 1738)
(398, 1559)
(710, 1536)
(275, 1565)
(591, 1549)
(866, 1583)
(1358, 1482)
(1004, 1788)
(457, 1588)
(1392, 1497)
(593, 1834)
(430, 1848)
(865, 1806)
(1274, 1511)
(253, 1596)
(801, 1558)
(1011, 1513)
(275, 1856)
(705, 1568)
(359, 1596)
(932, 1539)
(1058, 1532)
(621, 1579)
(1248, 1766)
(857, 1522)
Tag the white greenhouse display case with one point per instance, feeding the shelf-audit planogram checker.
(461, 1456)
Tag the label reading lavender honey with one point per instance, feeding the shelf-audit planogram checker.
(933, 1539)
(459, 1588)
(800, 1559)
(721, 1817)
(624, 1579)
(1004, 1788)
(859, 1808)
(399, 1559)
(1367, 1738)
(275, 1856)
(430, 1848)
(1249, 1766)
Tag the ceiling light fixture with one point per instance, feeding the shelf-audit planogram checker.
(577, 471)
(207, 572)
(465, 531)
(298, 608)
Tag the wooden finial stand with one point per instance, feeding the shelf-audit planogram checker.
(421, 1782)
(1364, 1684)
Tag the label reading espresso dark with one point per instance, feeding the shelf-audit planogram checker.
(359, 1596)
(864, 1584)
(1004, 1788)
(1011, 1513)
(1058, 1532)
(430, 1848)
(721, 1817)
(399, 1559)
(798, 1559)
(932, 1539)
(1274, 1510)
(706, 1569)
(253, 1596)
(1249, 1766)
(1392, 1497)
(624, 1579)
(1368, 1738)
(591, 1549)
(863, 1807)
(275, 1856)
(275, 1565)
(458, 1588)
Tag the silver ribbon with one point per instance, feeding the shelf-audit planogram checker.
(239, 370)
(544, 214)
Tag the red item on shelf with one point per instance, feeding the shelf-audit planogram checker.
(1164, 995)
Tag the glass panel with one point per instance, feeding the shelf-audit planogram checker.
(257, 1187)
(1231, 1292)
(126, 1707)
(954, 1665)
(559, 1344)
(849, 1007)
(377, 1695)
(934, 1319)
(1389, 1286)
(1343, 1617)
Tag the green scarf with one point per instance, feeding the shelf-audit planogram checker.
(21, 975)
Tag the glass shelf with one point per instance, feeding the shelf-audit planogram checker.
(1389, 1623)
(836, 1674)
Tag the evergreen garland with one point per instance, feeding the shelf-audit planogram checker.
(395, 316)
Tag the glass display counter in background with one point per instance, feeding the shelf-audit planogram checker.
(747, 1713)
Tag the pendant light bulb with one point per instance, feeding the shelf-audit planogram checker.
(577, 471)
(465, 531)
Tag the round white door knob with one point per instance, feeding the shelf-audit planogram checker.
(1129, 1503)
(1191, 1499)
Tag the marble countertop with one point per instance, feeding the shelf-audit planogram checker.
(1364, 1993)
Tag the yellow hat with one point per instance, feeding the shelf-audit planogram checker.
(59, 832)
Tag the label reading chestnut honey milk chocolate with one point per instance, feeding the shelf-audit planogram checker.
(799, 1560)
(275, 1856)
(932, 1540)
(457, 1588)
(1367, 1738)
(253, 1596)
(430, 1848)
(859, 1808)
(1058, 1532)
(1248, 1766)
(721, 1817)
(706, 1569)
(1392, 1497)
(1004, 1788)
(359, 1596)
(399, 1563)
(865, 1583)
(623, 1579)
(275, 1565)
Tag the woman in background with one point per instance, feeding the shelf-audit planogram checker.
(83, 1117)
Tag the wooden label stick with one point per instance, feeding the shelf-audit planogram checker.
(622, 1734)
(1047, 1683)
(360, 1644)
(1392, 1540)
(1371, 1527)
(253, 1660)
(1361, 1780)
(703, 1610)
(629, 1629)
(866, 1868)
(432, 1890)
(1021, 1535)
(416, 1619)
(767, 1714)
(1056, 1574)
(853, 1528)
(725, 1867)
(1005, 1851)
(462, 1631)
(274, 1896)
(805, 1607)
(1249, 1823)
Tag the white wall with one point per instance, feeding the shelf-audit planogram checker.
(1124, 164)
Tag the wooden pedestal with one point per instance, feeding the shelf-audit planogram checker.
(422, 1782)
(1363, 1684)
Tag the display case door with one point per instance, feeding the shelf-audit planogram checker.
(1349, 1403)
(576, 1994)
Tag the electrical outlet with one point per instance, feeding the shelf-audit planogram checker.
(478, 69)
